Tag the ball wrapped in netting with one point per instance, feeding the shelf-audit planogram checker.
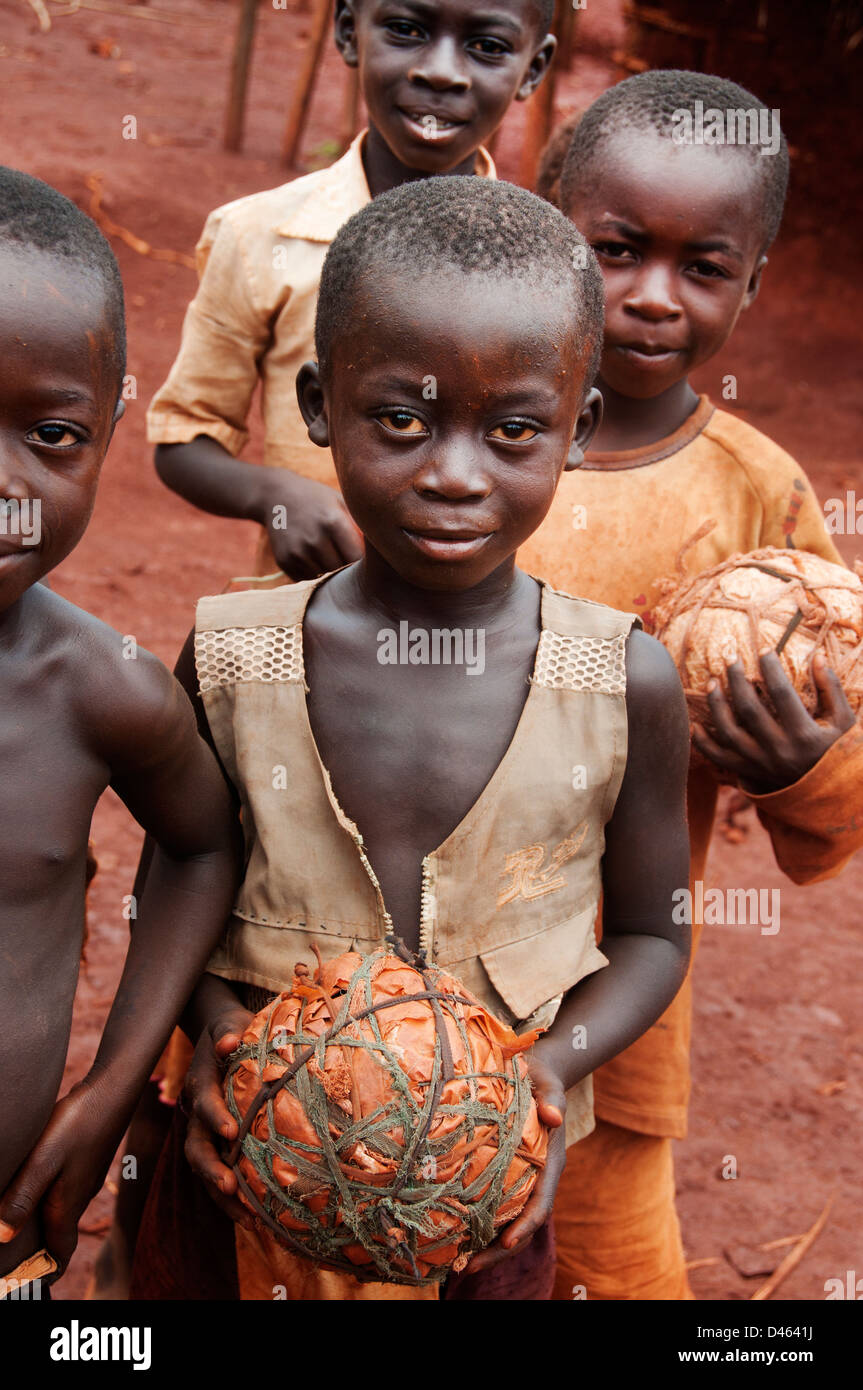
(387, 1125)
(788, 601)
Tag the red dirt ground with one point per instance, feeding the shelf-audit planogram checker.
(777, 1017)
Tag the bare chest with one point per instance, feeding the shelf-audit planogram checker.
(410, 751)
(50, 784)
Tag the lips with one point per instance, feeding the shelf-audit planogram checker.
(649, 349)
(447, 533)
(445, 543)
(433, 127)
(421, 114)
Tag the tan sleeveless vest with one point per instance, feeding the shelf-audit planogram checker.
(509, 901)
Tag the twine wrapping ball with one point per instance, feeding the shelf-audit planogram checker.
(788, 601)
(387, 1125)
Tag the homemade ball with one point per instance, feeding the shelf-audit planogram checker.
(755, 603)
(395, 1132)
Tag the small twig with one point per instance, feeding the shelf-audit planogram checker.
(143, 248)
(134, 12)
(709, 1260)
(794, 1256)
(38, 7)
(778, 1244)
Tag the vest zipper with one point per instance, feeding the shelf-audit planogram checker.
(388, 921)
(427, 910)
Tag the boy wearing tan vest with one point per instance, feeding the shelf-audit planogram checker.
(476, 803)
(436, 86)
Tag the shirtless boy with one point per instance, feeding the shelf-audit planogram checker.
(75, 718)
(457, 335)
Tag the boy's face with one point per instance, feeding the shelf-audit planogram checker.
(58, 393)
(450, 426)
(437, 76)
(678, 234)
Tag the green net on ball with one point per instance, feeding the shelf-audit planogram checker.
(387, 1126)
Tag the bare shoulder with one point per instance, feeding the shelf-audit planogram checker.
(130, 706)
(650, 670)
(655, 702)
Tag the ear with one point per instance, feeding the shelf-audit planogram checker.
(313, 407)
(539, 65)
(119, 412)
(345, 32)
(754, 282)
(588, 422)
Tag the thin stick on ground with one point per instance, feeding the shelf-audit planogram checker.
(38, 7)
(794, 1256)
(135, 243)
(709, 1260)
(134, 12)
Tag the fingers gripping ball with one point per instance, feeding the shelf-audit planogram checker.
(788, 601)
(387, 1126)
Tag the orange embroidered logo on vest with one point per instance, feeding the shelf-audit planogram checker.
(529, 878)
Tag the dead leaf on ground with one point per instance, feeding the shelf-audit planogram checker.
(831, 1088)
(105, 48)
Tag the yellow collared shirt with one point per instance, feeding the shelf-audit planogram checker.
(259, 264)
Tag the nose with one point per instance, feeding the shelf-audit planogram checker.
(13, 486)
(653, 295)
(454, 474)
(442, 66)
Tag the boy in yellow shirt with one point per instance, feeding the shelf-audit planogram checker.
(435, 87)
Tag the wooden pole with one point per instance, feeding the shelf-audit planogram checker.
(540, 117)
(350, 109)
(240, 75)
(299, 108)
(565, 30)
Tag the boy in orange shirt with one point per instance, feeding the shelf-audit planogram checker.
(680, 224)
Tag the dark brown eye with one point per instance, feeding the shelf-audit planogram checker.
(514, 432)
(490, 48)
(402, 422)
(56, 434)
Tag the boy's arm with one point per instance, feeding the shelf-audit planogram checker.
(308, 524)
(198, 418)
(646, 861)
(172, 784)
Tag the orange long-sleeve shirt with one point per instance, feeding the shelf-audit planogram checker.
(615, 527)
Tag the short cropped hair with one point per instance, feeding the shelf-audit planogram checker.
(468, 224)
(33, 214)
(653, 101)
(551, 160)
